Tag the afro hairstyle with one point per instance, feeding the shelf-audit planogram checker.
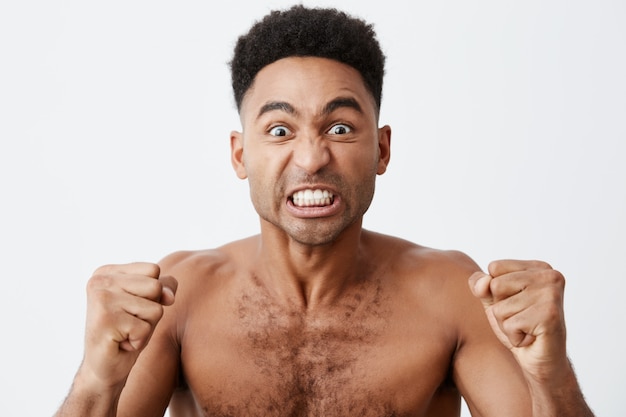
(308, 32)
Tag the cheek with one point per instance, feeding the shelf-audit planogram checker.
(263, 179)
(358, 160)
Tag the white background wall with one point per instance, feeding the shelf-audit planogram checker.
(509, 123)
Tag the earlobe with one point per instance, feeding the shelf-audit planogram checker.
(384, 148)
(236, 154)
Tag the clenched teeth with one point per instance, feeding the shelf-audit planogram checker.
(312, 198)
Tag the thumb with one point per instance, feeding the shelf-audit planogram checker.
(480, 285)
(170, 285)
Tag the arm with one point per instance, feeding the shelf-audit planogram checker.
(483, 369)
(125, 303)
(523, 302)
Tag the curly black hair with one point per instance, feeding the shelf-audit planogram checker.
(301, 31)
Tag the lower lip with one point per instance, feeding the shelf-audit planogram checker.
(314, 212)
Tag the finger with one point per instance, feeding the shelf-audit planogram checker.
(137, 285)
(508, 307)
(505, 266)
(146, 310)
(480, 285)
(508, 285)
(108, 305)
(142, 286)
(169, 287)
(539, 283)
(517, 329)
(134, 268)
(527, 315)
(111, 322)
(132, 333)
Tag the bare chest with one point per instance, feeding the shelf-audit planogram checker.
(268, 360)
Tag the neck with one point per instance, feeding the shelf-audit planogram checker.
(309, 275)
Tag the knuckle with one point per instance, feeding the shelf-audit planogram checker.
(540, 265)
(495, 267)
(156, 286)
(554, 278)
(552, 311)
(503, 287)
(100, 281)
(103, 297)
(103, 269)
(99, 298)
(495, 286)
(149, 269)
(155, 313)
(153, 288)
(156, 270)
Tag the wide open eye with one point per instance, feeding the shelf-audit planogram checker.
(339, 129)
(280, 131)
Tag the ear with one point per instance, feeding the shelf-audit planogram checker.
(384, 148)
(236, 154)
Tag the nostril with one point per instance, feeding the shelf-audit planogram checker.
(311, 155)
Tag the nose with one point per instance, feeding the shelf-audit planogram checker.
(311, 153)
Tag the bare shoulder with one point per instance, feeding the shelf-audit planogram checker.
(207, 264)
(429, 281)
(413, 261)
(206, 277)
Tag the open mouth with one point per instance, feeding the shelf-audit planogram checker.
(312, 198)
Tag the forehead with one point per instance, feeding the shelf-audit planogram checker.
(307, 83)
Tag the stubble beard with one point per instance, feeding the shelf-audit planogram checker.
(316, 231)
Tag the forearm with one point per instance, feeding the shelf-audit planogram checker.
(560, 398)
(87, 399)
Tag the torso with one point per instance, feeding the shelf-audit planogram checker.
(383, 348)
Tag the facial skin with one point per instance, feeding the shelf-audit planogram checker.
(310, 124)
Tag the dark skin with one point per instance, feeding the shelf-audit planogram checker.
(359, 353)
(317, 316)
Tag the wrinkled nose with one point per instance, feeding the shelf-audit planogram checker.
(311, 154)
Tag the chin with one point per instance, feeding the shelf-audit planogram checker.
(317, 236)
(313, 232)
(314, 240)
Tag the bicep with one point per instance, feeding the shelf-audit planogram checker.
(485, 371)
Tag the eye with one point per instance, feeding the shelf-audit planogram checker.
(339, 129)
(280, 131)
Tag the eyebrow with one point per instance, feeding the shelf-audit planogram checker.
(340, 102)
(276, 105)
(330, 107)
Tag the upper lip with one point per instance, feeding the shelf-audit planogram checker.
(312, 187)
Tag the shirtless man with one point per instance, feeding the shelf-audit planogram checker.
(317, 316)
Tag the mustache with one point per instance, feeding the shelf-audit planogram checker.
(324, 177)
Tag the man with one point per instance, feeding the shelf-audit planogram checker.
(317, 316)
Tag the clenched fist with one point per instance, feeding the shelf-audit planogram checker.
(523, 301)
(125, 303)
